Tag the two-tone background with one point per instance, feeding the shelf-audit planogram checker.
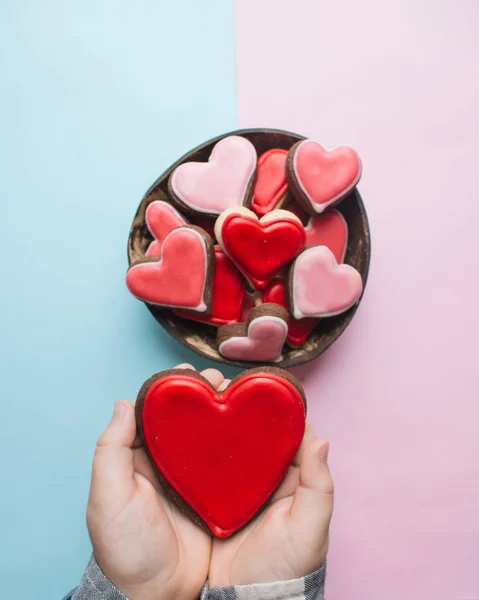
(96, 100)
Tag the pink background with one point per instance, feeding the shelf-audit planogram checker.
(397, 395)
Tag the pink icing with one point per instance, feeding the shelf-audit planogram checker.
(178, 278)
(220, 183)
(321, 287)
(266, 337)
(161, 218)
(325, 176)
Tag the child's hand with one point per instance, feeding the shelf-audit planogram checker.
(290, 538)
(142, 543)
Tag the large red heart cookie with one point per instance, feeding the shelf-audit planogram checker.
(320, 178)
(222, 454)
(228, 294)
(260, 248)
(181, 276)
(271, 185)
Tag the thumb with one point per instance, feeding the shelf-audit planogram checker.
(312, 506)
(113, 471)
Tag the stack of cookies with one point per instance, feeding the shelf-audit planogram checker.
(252, 245)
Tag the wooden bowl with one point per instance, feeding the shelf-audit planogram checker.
(202, 338)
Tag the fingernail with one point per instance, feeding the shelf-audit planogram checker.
(323, 453)
(119, 411)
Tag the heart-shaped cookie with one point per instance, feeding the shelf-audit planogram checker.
(228, 293)
(319, 178)
(271, 185)
(221, 455)
(329, 229)
(260, 339)
(319, 287)
(298, 330)
(260, 248)
(181, 276)
(226, 180)
(161, 218)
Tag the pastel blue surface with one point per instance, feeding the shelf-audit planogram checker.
(97, 99)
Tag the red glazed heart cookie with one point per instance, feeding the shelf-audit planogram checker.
(226, 180)
(319, 178)
(181, 276)
(260, 248)
(161, 218)
(271, 185)
(221, 455)
(228, 293)
(329, 229)
(260, 339)
(298, 330)
(319, 287)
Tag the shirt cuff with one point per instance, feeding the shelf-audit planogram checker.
(95, 585)
(310, 587)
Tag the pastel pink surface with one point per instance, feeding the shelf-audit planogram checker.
(178, 278)
(325, 176)
(321, 287)
(161, 218)
(220, 183)
(266, 337)
(397, 393)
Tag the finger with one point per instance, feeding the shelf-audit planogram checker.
(224, 385)
(312, 505)
(214, 376)
(113, 470)
(185, 366)
(309, 436)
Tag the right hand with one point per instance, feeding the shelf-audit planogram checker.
(142, 542)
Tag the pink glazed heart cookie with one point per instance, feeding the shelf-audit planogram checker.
(319, 287)
(181, 277)
(260, 339)
(320, 178)
(161, 218)
(226, 180)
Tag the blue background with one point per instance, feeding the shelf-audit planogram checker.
(97, 99)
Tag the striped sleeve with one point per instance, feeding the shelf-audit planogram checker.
(310, 587)
(96, 586)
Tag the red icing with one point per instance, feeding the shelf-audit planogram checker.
(248, 305)
(261, 249)
(298, 330)
(271, 185)
(225, 454)
(178, 278)
(228, 293)
(329, 229)
(161, 218)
